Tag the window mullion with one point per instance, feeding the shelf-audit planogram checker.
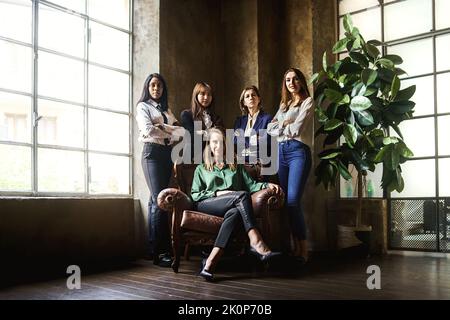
(34, 76)
(87, 171)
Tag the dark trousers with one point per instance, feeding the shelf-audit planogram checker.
(157, 166)
(235, 207)
(294, 166)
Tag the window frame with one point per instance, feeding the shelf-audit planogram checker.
(34, 145)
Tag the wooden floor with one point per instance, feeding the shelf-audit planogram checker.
(402, 277)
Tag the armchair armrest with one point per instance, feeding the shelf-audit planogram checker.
(171, 198)
(266, 198)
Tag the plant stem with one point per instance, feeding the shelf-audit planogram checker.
(359, 205)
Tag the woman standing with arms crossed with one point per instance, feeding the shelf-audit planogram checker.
(158, 130)
(294, 155)
(201, 110)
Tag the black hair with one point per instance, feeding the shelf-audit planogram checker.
(145, 96)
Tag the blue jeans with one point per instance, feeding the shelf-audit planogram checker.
(294, 166)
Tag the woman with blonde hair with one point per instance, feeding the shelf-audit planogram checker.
(294, 155)
(223, 189)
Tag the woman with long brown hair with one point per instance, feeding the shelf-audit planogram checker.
(202, 112)
(223, 189)
(294, 155)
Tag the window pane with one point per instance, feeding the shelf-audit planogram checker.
(442, 14)
(419, 177)
(76, 5)
(398, 17)
(61, 124)
(108, 89)
(15, 168)
(109, 46)
(71, 41)
(61, 77)
(372, 188)
(15, 117)
(442, 52)
(115, 12)
(108, 131)
(417, 56)
(419, 136)
(368, 23)
(423, 97)
(443, 92)
(346, 6)
(15, 67)
(15, 20)
(444, 134)
(60, 170)
(109, 174)
(444, 174)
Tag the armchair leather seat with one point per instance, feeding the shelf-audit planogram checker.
(191, 227)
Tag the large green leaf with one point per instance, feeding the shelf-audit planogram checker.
(343, 171)
(364, 118)
(331, 155)
(349, 68)
(380, 155)
(395, 86)
(348, 24)
(332, 124)
(375, 42)
(321, 116)
(333, 95)
(359, 58)
(386, 63)
(324, 62)
(405, 94)
(360, 103)
(370, 91)
(404, 151)
(340, 45)
(314, 78)
(394, 58)
(359, 89)
(350, 134)
(396, 129)
(392, 157)
(386, 75)
(368, 76)
(372, 50)
(400, 107)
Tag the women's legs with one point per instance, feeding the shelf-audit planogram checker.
(157, 173)
(299, 160)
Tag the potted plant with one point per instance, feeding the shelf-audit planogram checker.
(359, 101)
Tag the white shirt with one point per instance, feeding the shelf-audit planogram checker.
(300, 114)
(148, 115)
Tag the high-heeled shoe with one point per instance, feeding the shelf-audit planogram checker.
(206, 274)
(264, 257)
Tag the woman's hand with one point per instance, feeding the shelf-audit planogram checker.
(222, 192)
(287, 121)
(160, 126)
(276, 188)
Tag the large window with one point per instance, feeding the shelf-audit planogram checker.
(419, 31)
(65, 79)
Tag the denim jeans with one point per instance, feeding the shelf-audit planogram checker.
(157, 166)
(235, 207)
(294, 166)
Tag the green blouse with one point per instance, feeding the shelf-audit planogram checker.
(207, 183)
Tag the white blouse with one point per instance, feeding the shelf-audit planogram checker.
(300, 114)
(148, 115)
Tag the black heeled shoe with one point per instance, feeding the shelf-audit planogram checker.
(264, 257)
(163, 260)
(206, 274)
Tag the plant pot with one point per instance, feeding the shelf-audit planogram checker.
(354, 241)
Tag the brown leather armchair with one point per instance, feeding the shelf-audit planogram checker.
(193, 228)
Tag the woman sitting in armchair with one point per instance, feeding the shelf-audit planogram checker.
(223, 189)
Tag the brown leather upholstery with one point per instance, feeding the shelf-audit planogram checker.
(192, 227)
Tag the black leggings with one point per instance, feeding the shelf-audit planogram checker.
(157, 166)
(235, 207)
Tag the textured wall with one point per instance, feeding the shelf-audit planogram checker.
(146, 60)
(191, 50)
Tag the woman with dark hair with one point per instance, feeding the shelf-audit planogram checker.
(248, 126)
(201, 110)
(294, 155)
(158, 130)
(223, 189)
